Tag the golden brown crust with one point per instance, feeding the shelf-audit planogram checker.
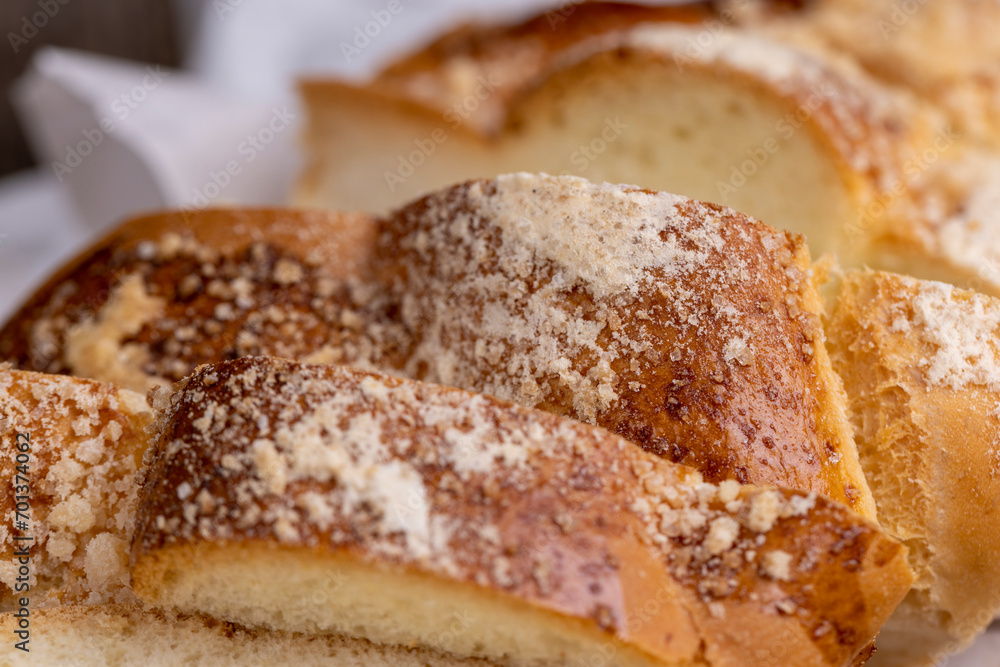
(526, 478)
(164, 293)
(72, 449)
(685, 327)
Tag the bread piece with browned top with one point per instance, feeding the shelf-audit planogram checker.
(688, 328)
(163, 293)
(921, 364)
(71, 451)
(559, 541)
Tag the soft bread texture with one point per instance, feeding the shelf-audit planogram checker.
(636, 107)
(161, 294)
(921, 365)
(943, 55)
(717, 361)
(122, 635)
(560, 541)
(688, 328)
(86, 440)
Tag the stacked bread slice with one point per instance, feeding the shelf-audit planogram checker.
(432, 504)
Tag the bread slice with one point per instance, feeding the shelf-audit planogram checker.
(921, 364)
(557, 541)
(688, 328)
(452, 73)
(161, 294)
(72, 449)
(101, 635)
(718, 116)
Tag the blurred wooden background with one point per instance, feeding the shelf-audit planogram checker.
(142, 30)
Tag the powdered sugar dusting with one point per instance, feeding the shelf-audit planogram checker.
(962, 327)
(599, 234)
(86, 442)
(633, 310)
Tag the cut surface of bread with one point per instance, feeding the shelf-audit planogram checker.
(72, 488)
(558, 541)
(719, 116)
(125, 635)
(921, 365)
(685, 327)
(161, 294)
(791, 143)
